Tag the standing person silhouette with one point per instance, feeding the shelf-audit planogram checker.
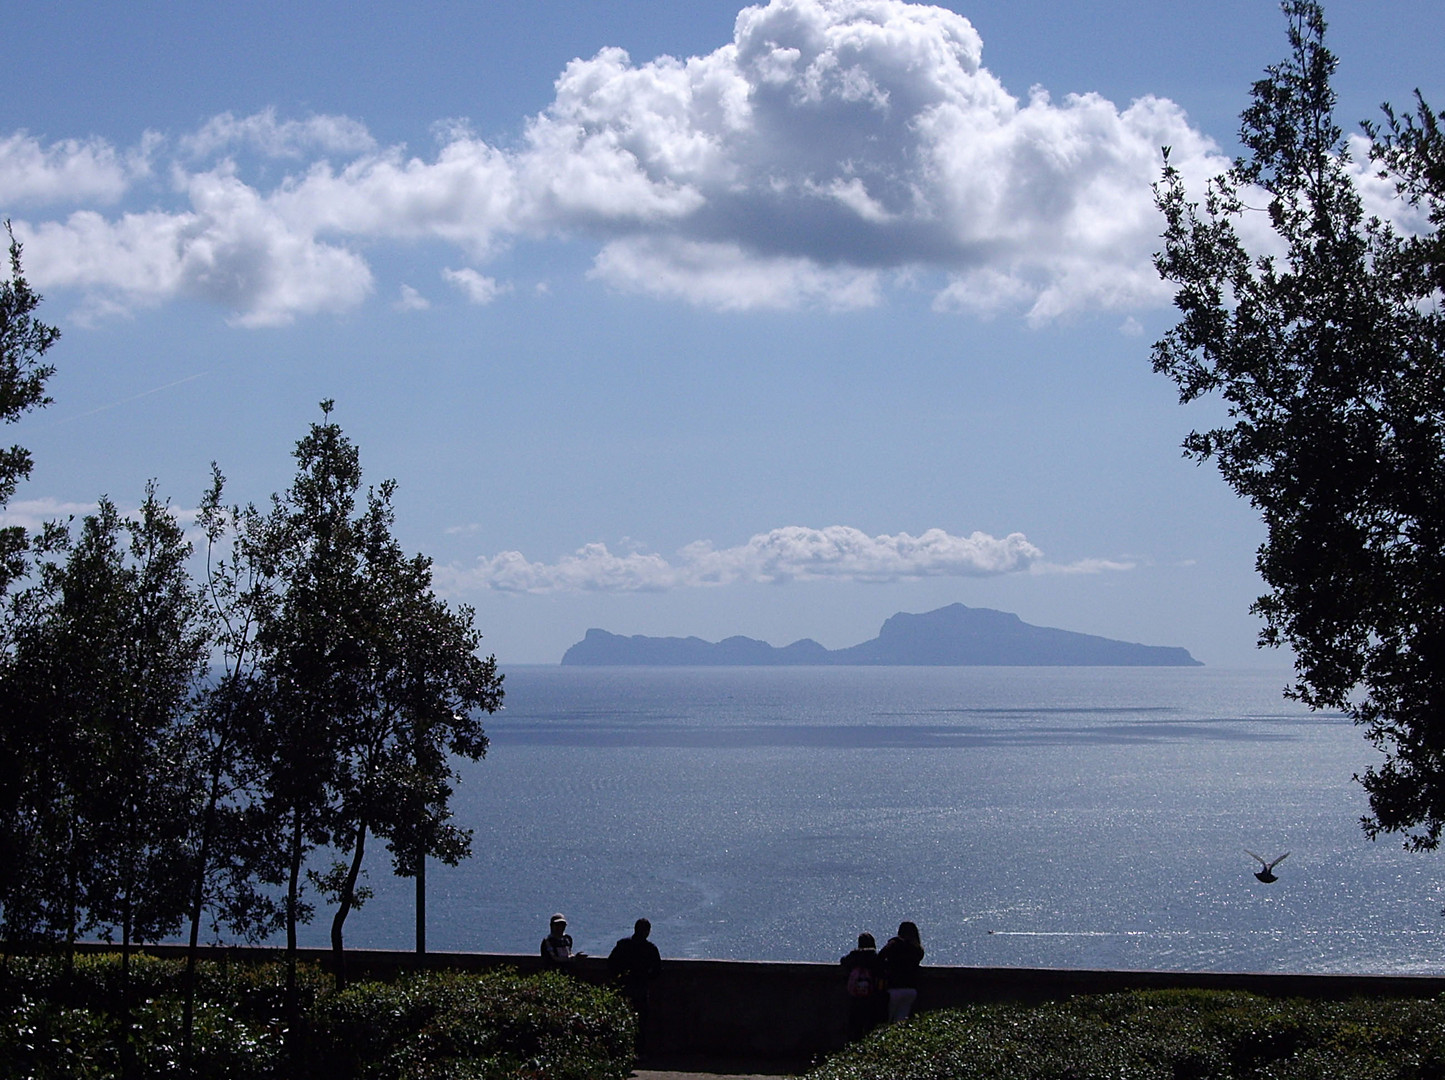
(633, 963)
(900, 958)
(867, 1000)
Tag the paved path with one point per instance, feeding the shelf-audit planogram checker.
(692, 1068)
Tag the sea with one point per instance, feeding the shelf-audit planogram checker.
(1033, 817)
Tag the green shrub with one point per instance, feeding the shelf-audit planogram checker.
(1158, 1035)
(67, 1024)
(59, 1025)
(492, 1026)
(44, 1040)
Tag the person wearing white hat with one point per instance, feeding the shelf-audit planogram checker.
(557, 945)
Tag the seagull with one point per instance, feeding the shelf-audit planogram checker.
(1267, 874)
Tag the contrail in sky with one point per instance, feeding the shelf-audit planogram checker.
(127, 401)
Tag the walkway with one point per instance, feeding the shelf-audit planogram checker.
(696, 1068)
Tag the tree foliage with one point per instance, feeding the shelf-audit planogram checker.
(98, 684)
(105, 654)
(180, 750)
(176, 749)
(24, 341)
(367, 685)
(1326, 343)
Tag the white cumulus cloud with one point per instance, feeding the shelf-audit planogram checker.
(831, 151)
(792, 553)
(852, 137)
(71, 170)
(263, 133)
(592, 569)
(727, 277)
(234, 248)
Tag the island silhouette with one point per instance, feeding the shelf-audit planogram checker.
(953, 636)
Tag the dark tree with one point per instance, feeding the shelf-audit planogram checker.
(43, 742)
(24, 340)
(141, 785)
(1330, 354)
(427, 685)
(308, 660)
(105, 664)
(231, 852)
(370, 681)
(145, 647)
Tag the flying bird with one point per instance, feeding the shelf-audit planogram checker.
(1267, 874)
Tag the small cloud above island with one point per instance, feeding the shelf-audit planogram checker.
(791, 553)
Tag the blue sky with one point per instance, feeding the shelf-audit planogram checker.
(667, 318)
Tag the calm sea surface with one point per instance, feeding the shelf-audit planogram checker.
(1051, 817)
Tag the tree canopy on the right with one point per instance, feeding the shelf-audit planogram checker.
(1327, 343)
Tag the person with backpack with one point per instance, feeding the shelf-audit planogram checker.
(867, 999)
(557, 951)
(900, 959)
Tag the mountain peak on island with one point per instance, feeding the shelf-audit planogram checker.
(956, 636)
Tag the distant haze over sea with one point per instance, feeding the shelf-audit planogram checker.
(953, 636)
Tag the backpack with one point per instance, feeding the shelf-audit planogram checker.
(861, 981)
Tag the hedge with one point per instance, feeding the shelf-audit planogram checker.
(493, 1026)
(1158, 1035)
(500, 1025)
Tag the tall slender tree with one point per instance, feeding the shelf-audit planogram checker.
(44, 744)
(106, 667)
(308, 661)
(426, 686)
(371, 682)
(1330, 354)
(229, 852)
(24, 341)
(139, 781)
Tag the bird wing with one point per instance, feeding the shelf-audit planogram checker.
(1259, 857)
(1276, 862)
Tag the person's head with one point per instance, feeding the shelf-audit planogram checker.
(641, 928)
(909, 932)
(865, 941)
(559, 924)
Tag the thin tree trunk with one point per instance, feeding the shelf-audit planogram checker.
(127, 1049)
(198, 897)
(293, 891)
(421, 903)
(71, 906)
(348, 891)
(422, 838)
